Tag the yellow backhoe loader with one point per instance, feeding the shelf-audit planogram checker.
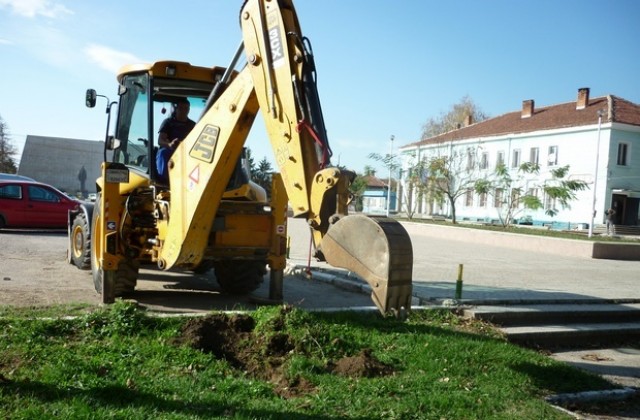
(209, 214)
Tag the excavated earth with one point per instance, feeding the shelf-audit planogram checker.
(263, 356)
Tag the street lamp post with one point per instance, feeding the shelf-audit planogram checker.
(390, 164)
(595, 176)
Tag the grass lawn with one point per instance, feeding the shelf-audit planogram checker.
(278, 362)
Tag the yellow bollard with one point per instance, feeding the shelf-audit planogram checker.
(459, 282)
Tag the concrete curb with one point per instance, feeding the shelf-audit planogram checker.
(348, 281)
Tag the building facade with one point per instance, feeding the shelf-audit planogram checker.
(376, 198)
(598, 138)
(70, 165)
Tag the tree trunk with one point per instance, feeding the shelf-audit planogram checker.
(453, 210)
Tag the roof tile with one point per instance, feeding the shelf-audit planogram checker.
(545, 118)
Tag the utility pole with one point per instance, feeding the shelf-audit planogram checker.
(390, 165)
(595, 175)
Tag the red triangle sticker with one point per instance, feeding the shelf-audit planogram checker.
(195, 174)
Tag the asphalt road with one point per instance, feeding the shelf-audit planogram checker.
(33, 271)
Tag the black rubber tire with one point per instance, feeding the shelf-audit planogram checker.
(240, 277)
(126, 277)
(80, 242)
(204, 267)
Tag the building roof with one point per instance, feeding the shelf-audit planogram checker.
(546, 118)
(375, 182)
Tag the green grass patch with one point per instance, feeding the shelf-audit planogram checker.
(117, 362)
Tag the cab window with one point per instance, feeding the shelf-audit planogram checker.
(133, 122)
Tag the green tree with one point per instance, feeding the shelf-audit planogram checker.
(454, 118)
(357, 188)
(7, 150)
(250, 160)
(511, 197)
(369, 170)
(263, 175)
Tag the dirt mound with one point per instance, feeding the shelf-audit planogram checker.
(362, 365)
(219, 334)
(262, 355)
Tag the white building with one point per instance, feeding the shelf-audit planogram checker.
(599, 138)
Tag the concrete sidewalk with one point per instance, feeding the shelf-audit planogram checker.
(502, 268)
(499, 268)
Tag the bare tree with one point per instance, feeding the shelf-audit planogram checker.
(454, 118)
(7, 150)
(453, 175)
(415, 185)
(415, 180)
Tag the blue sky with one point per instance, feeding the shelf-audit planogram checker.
(384, 66)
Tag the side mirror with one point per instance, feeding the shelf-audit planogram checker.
(90, 98)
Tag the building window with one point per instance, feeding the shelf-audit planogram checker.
(471, 159)
(500, 159)
(468, 198)
(483, 200)
(534, 154)
(623, 154)
(484, 160)
(497, 198)
(552, 157)
(515, 161)
(549, 202)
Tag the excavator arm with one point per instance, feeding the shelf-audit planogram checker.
(279, 79)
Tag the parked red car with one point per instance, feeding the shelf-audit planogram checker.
(30, 204)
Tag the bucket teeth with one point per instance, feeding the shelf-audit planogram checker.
(379, 250)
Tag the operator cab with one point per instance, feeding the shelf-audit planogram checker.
(147, 98)
(148, 94)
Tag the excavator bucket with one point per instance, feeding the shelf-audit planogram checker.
(379, 250)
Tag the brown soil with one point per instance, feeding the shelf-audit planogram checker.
(262, 356)
(362, 365)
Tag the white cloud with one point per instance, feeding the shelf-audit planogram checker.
(108, 58)
(5, 42)
(33, 8)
